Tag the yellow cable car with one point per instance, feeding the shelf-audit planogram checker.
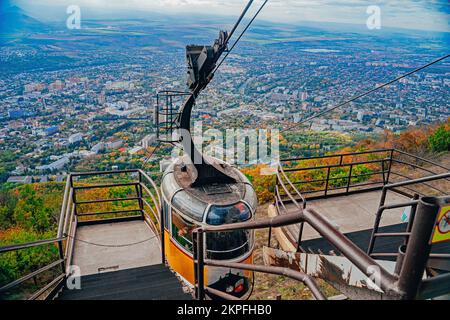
(186, 208)
(198, 190)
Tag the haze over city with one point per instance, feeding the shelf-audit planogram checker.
(422, 15)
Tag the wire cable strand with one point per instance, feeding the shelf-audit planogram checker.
(240, 36)
(321, 113)
(151, 155)
(112, 245)
(238, 22)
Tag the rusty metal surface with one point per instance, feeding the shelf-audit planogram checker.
(339, 272)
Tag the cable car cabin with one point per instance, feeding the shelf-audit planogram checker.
(186, 208)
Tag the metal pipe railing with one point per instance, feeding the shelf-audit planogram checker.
(68, 221)
(279, 221)
(419, 245)
(292, 274)
(15, 247)
(422, 159)
(340, 155)
(382, 207)
(350, 187)
(385, 172)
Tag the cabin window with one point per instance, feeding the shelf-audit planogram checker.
(228, 245)
(231, 244)
(166, 213)
(182, 231)
(219, 215)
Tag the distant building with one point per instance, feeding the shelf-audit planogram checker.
(34, 87)
(16, 114)
(120, 85)
(60, 178)
(363, 116)
(113, 144)
(147, 141)
(135, 150)
(123, 105)
(77, 137)
(20, 179)
(58, 85)
(51, 130)
(98, 147)
(57, 165)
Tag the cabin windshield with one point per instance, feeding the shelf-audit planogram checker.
(231, 244)
(219, 215)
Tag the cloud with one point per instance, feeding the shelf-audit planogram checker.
(409, 14)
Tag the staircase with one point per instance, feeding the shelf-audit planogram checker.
(154, 282)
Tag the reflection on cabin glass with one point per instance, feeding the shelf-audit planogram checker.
(219, 215)
(182, 231)
(228, 245)
(166, 214)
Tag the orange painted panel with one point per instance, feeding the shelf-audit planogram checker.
(183, 264)
(179, 261)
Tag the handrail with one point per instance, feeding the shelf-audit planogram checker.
(145, 175)
(63, 208)
(296, 275)
(390, 283)
(422, 159)
(30, 275)
(292, 186)
(99, 173)
(418, 180)
(68, 221)
(386, 171)
(337, 155)
(200, 262)
(424, 183)
(382, 207)
(350, 250)
(335, 165)
(15, 247)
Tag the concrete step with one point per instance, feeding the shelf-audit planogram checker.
(152, 289)
(155, 282)
(111, 283)
(123, 275)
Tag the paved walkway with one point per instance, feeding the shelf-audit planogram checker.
(352, 212)
(94, 259)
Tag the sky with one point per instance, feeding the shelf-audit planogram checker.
(430, 15)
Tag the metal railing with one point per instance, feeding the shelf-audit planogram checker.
(388, 160)
(200, 262)
(287, 190)
(416, 244)
(405, 283)
(412, 204)
(148, 208)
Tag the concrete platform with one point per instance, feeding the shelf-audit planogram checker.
(93, 259)
(352, 213)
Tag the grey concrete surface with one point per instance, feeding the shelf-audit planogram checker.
(94, 259)
(353, 212)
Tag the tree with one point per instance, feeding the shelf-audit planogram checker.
(7, 205)
(440, 140)
(31, 212)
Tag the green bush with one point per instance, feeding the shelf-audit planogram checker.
(440, 140)
(16, 264)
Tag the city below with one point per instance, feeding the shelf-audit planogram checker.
(77, 99)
